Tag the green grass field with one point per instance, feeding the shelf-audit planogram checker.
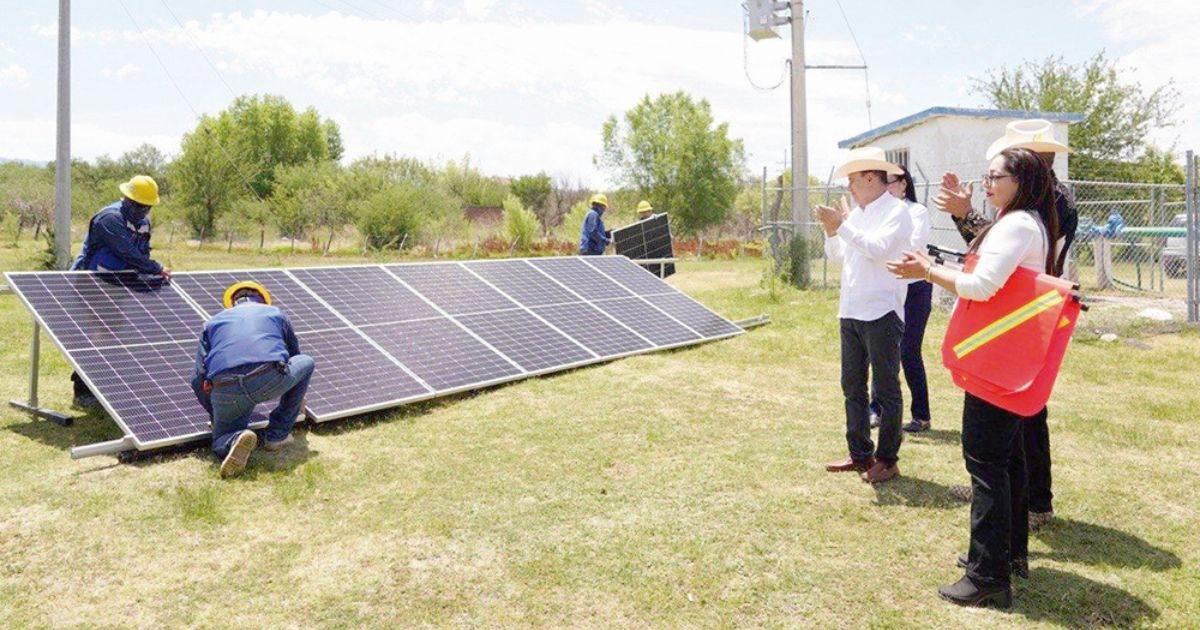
(676, 489)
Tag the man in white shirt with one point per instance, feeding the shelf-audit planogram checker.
(870, 309)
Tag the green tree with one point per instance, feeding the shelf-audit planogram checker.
(534, 193)
(520, 225)
(397, 216)
(471, 187)
(572, 223)
(257, 216)
(670, 149)
(206, 178)
(312, 196)
(1118, 113)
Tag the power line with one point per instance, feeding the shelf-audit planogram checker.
(187, 102)
(862, 57)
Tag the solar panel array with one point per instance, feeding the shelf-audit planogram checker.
(647, 239)
(381, 335)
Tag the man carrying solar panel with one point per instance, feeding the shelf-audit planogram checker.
(249, 354)
(118, 239)
(593, 238)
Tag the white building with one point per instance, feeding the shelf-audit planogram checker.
(956, 139)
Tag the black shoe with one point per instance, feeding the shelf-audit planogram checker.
(916, 426)
(86, 401)
(1018, 566)
(965, 593)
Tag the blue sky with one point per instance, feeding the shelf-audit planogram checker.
(525, 86)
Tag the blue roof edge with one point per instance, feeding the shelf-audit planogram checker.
(908, 121)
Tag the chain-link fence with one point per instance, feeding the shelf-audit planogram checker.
(1132, 238)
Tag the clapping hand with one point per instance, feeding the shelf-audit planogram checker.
(954, 196)
(832, 218)
(911, 266)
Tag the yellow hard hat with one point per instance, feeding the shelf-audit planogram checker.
(644, 206)
(599, 198)
(246, 284)
(142, 189)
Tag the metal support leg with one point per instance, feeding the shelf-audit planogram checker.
(35, 353)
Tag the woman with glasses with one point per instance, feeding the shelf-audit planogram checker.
(917, 304)
(1025, 234)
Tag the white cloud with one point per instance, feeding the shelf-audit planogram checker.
(14, 75)
(519, 95)
(478, 8)
(34, 138)
(123, 72)
(1156, 44)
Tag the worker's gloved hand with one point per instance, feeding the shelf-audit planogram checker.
(165, 273)
(206, 386)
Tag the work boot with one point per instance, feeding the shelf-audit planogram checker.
(239, 453)
(881, 472)
(916, 426)
(965, 593)
(850, 465)
(278, 446)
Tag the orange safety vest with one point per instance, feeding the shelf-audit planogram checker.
(1008, 350)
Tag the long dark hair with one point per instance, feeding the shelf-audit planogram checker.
(910, 192)
(1035, 193)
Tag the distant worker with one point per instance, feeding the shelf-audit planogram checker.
(249, 354)
(644, 210)
(593, 238)
(118, 239)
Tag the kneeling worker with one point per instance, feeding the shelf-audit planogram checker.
(249, 354)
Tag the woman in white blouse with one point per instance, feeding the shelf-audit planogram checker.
(1025, 234)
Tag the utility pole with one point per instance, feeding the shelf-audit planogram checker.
(800, 213)
(62, 156)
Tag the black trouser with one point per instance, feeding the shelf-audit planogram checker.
(995, 456)
(873, 345)
(917, 306)
(1037, 461)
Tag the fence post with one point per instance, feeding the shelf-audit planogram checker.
(1193, 241)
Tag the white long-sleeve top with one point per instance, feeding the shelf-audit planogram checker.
(867, 239)
(922, 226)
(1017, 239)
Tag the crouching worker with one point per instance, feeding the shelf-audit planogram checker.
(249, 354)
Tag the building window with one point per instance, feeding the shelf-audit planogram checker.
(897, 156)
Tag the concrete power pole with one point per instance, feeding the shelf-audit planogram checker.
(800, 216)
(62, 156)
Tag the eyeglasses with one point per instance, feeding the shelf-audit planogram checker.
(990, 179)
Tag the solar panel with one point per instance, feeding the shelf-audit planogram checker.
(86, 310)
(648, 321)
(580, 277)
(442, 353)
(365, 295)
(590, 326)
(381, 335)
(451, 287)
(207, 288)
(629, 275)
(647, 239)
(353, 376)
(525, 339)
(521, 282)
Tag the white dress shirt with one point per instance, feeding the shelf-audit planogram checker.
(922, 227)
(1017, 239)
(867, 239)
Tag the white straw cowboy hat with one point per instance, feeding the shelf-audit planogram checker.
(866, 159)
(1036, 135)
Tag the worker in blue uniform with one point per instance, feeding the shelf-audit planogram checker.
(249, 354)
(118, 239)
(593, 238)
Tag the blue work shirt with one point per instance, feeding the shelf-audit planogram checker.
(592, 238)
(248, 333)
(118, 239)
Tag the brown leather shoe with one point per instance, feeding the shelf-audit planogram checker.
(881, 472)
(850, 465)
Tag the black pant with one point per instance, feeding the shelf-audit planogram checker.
(874, 345)
(995, 456)
(1037, 461)
(917, 306)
